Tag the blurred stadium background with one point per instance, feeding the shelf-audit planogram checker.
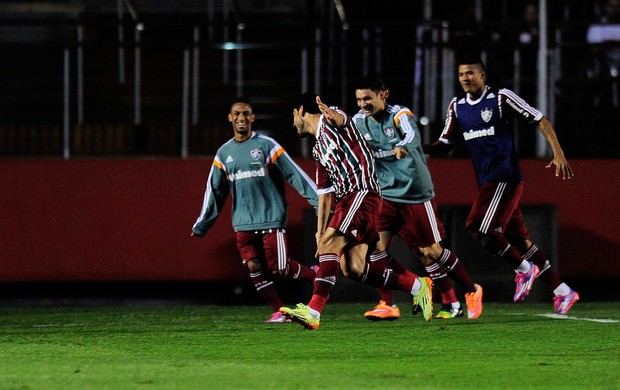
(111, 110)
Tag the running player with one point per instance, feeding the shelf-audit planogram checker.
(251, 167)
(409, 209)
(482, 118)
(346, 172)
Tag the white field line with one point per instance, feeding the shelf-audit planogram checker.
(565, 317)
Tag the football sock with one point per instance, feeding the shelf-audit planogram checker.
(380, 259)
(295, 270)
(547, 275)
(449, 297)
(523, 267)
(456, 270)
(381, 277)
(266, 289)
(498, 246)
(314, 313)
(415, 288)
(387, 296)
(443, 284)
(329, 265)
(562, 289)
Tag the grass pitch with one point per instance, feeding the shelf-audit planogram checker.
(516, 346)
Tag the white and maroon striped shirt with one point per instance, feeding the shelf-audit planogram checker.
(343, 157)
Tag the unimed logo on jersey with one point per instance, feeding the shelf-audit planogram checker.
(471, 134)
(329, 149)
(246, 174)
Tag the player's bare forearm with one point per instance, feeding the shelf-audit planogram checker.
(562, 167)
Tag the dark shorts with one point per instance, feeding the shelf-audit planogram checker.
(416, 224)
(496, 211)
(268, 246)
(356, 214)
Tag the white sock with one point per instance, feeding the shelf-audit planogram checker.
(523, 267)
(314, 313)
(562, 289)
(456, 305)
(417, 285)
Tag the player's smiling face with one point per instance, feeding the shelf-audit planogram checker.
(241, 117)
(471, 78)
(369, 101)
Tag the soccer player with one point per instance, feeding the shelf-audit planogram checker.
(409, 209)
(251, 167)
(482, 118)
(346, 173)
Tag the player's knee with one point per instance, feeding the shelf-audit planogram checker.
(431, 253)
(426, 260)
(253, 265)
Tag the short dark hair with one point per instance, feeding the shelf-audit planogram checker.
(308, 101)
(471, 59)
(374, 82)
(240, 99)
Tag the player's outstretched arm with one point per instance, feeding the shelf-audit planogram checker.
(562, 167)
(335, 118)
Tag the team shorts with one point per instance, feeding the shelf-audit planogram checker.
(496, 211)
(268, 246)
(417, 224)
(355, 215)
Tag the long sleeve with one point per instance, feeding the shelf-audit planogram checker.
(214, 197)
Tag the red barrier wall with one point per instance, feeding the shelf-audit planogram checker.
(123, 220)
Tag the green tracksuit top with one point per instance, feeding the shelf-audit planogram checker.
(407, 180)
(253, 171)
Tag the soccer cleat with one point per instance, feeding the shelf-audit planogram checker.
(424, 298)
(301, 315)
(383, 312)
(524, 281)
(563, 303)
(474, 303)
(278, 317)
(415, 309)
(447, 312)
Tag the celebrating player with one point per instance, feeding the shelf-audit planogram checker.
(409, 209)
(346, 171)
(482, 118)
(251, 167)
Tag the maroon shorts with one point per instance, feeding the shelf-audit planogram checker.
(496, 211)
(356, 214)
(268, 246)
(416, 224)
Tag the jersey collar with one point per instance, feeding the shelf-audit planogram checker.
(472, 102)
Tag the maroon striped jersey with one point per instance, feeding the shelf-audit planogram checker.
(343, 157)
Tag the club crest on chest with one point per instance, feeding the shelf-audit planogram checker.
(256, 154)
(486, 114)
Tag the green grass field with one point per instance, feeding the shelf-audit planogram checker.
(516, 346)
